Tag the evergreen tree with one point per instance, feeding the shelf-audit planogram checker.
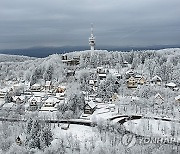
(46, 137)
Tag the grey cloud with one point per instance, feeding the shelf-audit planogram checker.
(26, 23)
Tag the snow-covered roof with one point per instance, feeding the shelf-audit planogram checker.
(138, 76)
(171, 84)
(158, 95)
(41, 94)
(18, 97)
(102, 74)
(92, 104)
(125, 62)
(131, 78)
(60, 94)
(177, 97)
(91, 81)
(111, 105)
(117, 74)
(130, 72)
(36, 85)
(44, 108)
(34, 99)
(155, 78)
(51, 100)
(99, 100)
(63, 87)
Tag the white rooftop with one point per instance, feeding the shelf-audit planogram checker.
(171, 84)
(92, 104)
(156, 78)
(177, 97)
(48, 109)
(52, 99)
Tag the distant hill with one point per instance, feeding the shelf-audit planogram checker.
(41, 52)
(14, 58)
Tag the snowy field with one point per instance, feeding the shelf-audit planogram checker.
(156, 128)
(81, 132)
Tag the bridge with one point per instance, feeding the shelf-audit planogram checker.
(124, 118)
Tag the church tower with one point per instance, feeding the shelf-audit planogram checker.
(92, 39)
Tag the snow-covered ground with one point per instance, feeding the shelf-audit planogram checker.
(81, 132)
(151, 127)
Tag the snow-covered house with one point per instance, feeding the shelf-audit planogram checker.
(156, 80)
(125, 64)
(48, 85)
(64, 57)
(102, 73)
(70, 73)
(18, 99)
(70, 61)
(140, 79)
(60, 96)
(98, 100)
(129, 73)
(50, 102)
(102, 76)
(114, 97)
(171, 85)
(18, 141)
(100, 70)
(60, 89)
(177, 98)
(92, 82)
(118, 76)
(21, 139)
(158, 98)
(89, 107)
(60, 92)
(132, 82)
(36, 87)
(34, 103)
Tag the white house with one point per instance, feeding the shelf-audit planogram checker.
(90, 107)
(171, 85)
(132, 82)
(177, 98)
(50, 102)
(34, 103)
(48, 85)
(18, 99)
(36, 87)
(158, 98)
(156, 80)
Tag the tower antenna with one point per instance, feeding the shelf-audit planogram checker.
(92, 39)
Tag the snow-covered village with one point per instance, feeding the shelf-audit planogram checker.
(112, 87)
(72, 102)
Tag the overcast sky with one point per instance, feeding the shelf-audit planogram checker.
(28, 23)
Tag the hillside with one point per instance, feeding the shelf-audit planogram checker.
(85, 98)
